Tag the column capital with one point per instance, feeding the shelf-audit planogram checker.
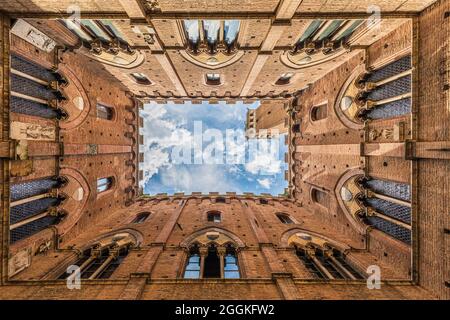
(203, 251)
(221, 250)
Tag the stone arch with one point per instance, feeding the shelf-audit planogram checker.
(351, 206)
(208, 235)
(304, 237)
(78, 105)
(77, 191)
(135, 237)
(349, 89)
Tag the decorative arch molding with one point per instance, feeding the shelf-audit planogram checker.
(349, 89)
(293, 236)
(133, 235)
(350, 206)
(120, 60)
(203, 60)
(77, 191)
(79, 105)
(212, 235)
(303, 60)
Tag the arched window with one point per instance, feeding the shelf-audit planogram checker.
(28, 189)
(284, 218)
(192, 270)
(141, 217)
(104, 184)
(101, 260)
(231, 268)
(33, 207)
(212, 79)
(214, 216)
(320, 197)
(31, 91)
(319, 112)
(104, 112)
(211, 34)
(285, 78)
(384, 205)
(326, 263)
(212, 261)
(140, 78)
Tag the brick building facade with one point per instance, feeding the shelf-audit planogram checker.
(365, 101)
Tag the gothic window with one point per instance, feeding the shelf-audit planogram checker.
(285, 78)
(100, 260)
(104, 184)
(32, 188)
(192, 270)
(211, 36)
(140, 78)
(104, 112)
(382, 204)
(326, 263)
(320, 197)
(284, 218)
(98, 35)
(212, 263)
(210, 260)
(30, 90)
(213, 79)
(214, 216)
(387, 92)
(141, 217)
(95, 30)
(111, 29)
(231, 268)
(100, 263)
(309, 264)
(326, 35)
(319, 112)
(34, 207)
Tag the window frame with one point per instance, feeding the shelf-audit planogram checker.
(111, 110)
(109, 184)
(213, 79)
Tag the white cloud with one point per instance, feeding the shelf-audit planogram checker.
(265, 183)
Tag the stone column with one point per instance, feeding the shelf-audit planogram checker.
(221, 252)
(203, 253)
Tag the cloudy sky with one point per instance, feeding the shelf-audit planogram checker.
(201, 148)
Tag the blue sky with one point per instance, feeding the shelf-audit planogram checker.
(201, 148)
